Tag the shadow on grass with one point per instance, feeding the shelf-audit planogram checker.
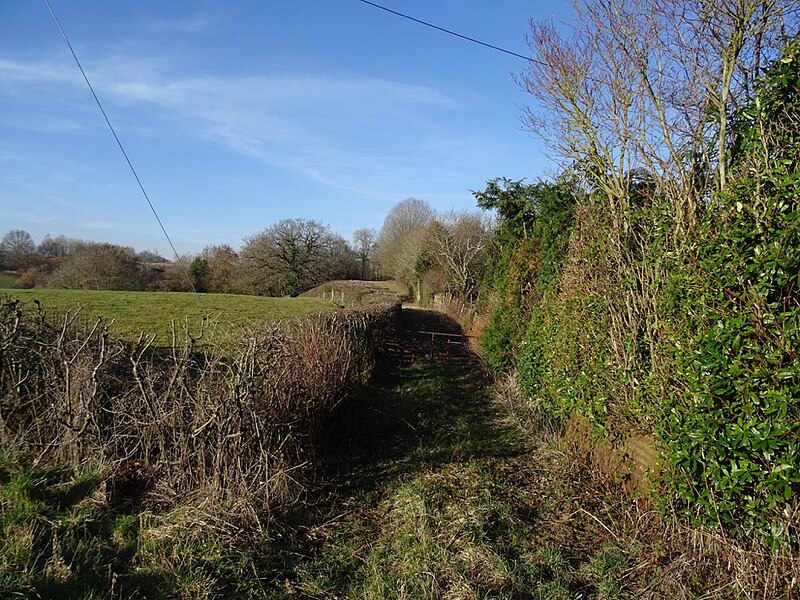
(59, 539)
(412, 421)
(416, 417)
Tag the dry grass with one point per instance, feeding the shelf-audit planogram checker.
(666, 558)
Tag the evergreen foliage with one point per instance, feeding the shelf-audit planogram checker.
(733, 437)
(641, 325)
(530, 243)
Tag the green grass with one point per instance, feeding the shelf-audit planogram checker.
(59, 538)
(154, 312)
(53, 536)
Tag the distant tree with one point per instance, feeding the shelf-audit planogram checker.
(61, 246)
(344, 261)
(459, 247)
(100, 267)
(364, 245)
(74, 245)
(171, 277)
(198, 271)
(17, 249)
(401, 244)
(222, 269)
(291, 257)
(48, 247)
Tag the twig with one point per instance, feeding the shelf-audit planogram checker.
(603, 525)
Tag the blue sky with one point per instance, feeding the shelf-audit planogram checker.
(239, 114)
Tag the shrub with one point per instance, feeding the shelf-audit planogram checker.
(236, 422)
(732, 432)
(523, 264)
(100, 267)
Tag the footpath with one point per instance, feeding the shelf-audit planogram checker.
(436, 492)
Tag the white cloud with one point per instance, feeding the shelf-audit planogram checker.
(326, 127)
(331, 128)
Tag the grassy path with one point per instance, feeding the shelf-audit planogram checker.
(435, 493)
(430, 490)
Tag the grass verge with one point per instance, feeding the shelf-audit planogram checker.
(60, 538)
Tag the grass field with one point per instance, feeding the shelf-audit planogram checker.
(7, 280)
(154, 312)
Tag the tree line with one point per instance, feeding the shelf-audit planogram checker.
(431, 253)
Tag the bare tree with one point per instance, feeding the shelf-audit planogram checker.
(290, 257)
(17, 249)
(401, 242)
(364, 242)
(49, 247)
(61, 246)
(646, 84)
(459, 245)
(341, 262)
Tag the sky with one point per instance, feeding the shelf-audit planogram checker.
(239, 114)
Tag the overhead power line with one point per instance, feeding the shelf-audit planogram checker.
(119, 143)
(448, 31)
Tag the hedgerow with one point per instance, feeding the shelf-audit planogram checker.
(690, 335)
(733, 436)
(234, 422)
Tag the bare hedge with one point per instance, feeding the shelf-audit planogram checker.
(235, 422)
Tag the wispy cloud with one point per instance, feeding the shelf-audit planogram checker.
(14, 215)
(41, 123)
(15, 73)
(328, 127)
